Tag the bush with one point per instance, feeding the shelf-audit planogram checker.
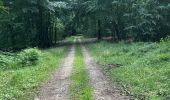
(26, 57)
(165, 40)
(163, 57)
(6, 61)
(29, 56)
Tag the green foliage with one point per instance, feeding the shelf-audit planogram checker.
(23, 83)
(2, 8)
(141, 68)
(163, 57)
(42, 23)
(6, 60)
(31, 23)
(80, 88)
(165, 40)
(140, 20)
(29, 56)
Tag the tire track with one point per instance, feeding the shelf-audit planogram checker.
(57, 88)
(102, 88)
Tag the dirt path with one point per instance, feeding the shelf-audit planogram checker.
(57, 87)
(102, 88)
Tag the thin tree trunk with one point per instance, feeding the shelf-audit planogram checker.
(99, 30)
(40, 25)
(117, 33)
(12, 36)
(55, 33)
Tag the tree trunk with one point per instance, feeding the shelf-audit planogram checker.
(40, 25)
(117, 34)
(12, 36)
(99, 30)
(55, 33)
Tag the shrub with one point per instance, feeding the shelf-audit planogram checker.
(165, 40)
(163, 57)
(28, 56)
(6, 61)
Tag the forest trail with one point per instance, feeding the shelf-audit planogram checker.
(102, 88)
(57, 88)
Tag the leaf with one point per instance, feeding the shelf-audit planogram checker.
(115, 2)
(59, 4)
(162, 7)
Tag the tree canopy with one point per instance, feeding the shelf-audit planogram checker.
(26, 23)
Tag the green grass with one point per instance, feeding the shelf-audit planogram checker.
(22, 83)
(71, 39)
(80, 88)
(144, 68)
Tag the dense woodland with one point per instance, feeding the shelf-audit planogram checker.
(41, 23)
(34, 34)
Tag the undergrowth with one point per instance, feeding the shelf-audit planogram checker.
(21, 59)
(21, 80)
(143, 69)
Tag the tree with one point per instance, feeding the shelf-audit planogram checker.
(30, 23)
(142, 20)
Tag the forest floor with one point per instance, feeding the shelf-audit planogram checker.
(79, 78)
(21, 82)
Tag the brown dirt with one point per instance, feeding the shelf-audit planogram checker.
(57, 88)
(102, 87)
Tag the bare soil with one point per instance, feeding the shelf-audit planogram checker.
(57, 88)
(102, 87)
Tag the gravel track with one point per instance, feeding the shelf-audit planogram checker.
(57, 88)
(102, 87)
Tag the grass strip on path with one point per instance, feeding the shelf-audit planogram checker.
(80, 88)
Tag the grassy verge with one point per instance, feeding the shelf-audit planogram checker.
(22, 83)
(142, 68)
(80, 88)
